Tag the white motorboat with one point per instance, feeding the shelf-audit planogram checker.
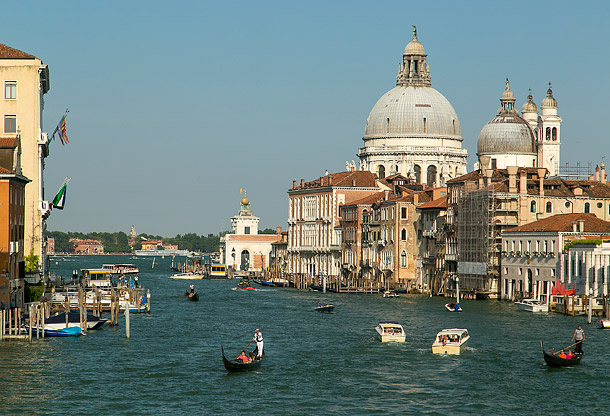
(532, 305)
(390, 294)
(187, 276)
(605, 323)
(453, 307)
(450, 341)
(390, 332)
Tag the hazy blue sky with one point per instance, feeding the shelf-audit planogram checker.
(175, 106)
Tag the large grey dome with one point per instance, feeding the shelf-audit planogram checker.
(412, 110)
(506, 133)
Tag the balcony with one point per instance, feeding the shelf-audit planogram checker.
(430, 233)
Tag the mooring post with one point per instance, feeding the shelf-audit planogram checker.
(590, 305)
(127, 334)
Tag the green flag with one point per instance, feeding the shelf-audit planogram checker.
(60, 199)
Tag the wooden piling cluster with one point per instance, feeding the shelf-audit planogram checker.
(12, 325)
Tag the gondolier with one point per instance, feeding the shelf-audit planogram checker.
(258, 337)
(579, 337)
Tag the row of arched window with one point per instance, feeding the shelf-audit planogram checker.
(430, 174)
(549, 207)
(551, 133)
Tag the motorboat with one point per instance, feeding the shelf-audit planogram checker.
(532, 305)
(72, 331)
(59, 321)
(453, 307)
(245, 285)
(390, 294)
(187, 276)
(390, 332)
(450, 341)
(605, 323)
(325, 308)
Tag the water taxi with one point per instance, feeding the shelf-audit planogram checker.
(390, 294)
(187, 276)
(218, 271)
(532, 305)
(450, 341)
(119, 269)
(390, 332)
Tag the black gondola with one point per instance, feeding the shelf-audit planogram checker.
(234, 365)
(194, 296)
(325, 308)
(555, 361)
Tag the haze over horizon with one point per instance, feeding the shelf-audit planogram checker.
(173, 110)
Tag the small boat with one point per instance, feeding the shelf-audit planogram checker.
(72, 331)
(453, 307)
(605, 323)
(194, 296)
(187, 276)
(325, 308)
(532, 305)
(245, 285)
(390, 332)
(59, 321)
(235, 365)
(450, 341)
(555, 360)
(390, 294)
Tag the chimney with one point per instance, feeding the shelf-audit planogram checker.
(330, 181)
(480, 178)
(386, 194)
(512, 178)
(278, 232)
(523, 183)
(294, 183)
(302, 183)
(488, 173)
(353, 182)
(541, 173)
(574, 227)
(581, 226)
(596, 173)
(602, 173)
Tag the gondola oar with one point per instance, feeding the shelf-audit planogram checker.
(555, 353)
(247, 345)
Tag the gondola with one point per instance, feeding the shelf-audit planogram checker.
(555, 361)
(192, 296)
(234, 365)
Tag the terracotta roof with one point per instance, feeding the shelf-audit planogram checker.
(361, 178)
(437, 203)
(563, 222)
(9, 142)
(368, 200)
(5, 171)
(6, 52)
(253, 237)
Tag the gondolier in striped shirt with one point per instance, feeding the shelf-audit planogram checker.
(258, 337)
(579, 337)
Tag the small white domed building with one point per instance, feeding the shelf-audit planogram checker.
(413, 130)
(529, 140)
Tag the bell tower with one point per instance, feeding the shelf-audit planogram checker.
(549, 134)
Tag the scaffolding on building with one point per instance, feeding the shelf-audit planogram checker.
(577, 172)
(478, 241)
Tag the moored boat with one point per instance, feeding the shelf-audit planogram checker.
(560, 359)
(453, 307)
(390, 294)
(237, 365)
(605, 323)
(390, 332)
(59, 321)
(72, 331)
(450, 341)
(532, 305)
(187, 276)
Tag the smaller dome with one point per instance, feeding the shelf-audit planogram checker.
(506, 134)
(245, 201)
(549, 100)
(529, 106)
(414, 48)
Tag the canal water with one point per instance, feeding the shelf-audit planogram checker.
(315, 363)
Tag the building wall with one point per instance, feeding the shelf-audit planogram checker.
(12, 217)
(28, 108)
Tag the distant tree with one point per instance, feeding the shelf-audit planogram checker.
(267, 231)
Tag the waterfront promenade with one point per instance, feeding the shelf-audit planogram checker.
(315, 363)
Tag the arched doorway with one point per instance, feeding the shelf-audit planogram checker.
(245, 260)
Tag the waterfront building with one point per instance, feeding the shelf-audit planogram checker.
(278, 261)
(534, 255)
(12, 222)
(51, 245)
(25, 80)
(432, 228)
(244, 248)
(87, 246)
(484, 203)
(413, 130)
(314, 234)
(529, 140)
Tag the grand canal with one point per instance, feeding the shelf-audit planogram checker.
(315, 363)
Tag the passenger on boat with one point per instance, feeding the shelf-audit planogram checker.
(319, 304)
(243, 357)
(457, 307)
(251, 357)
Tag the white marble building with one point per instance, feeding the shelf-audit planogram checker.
(413, 130)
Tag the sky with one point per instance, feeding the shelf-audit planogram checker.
(174, 107)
